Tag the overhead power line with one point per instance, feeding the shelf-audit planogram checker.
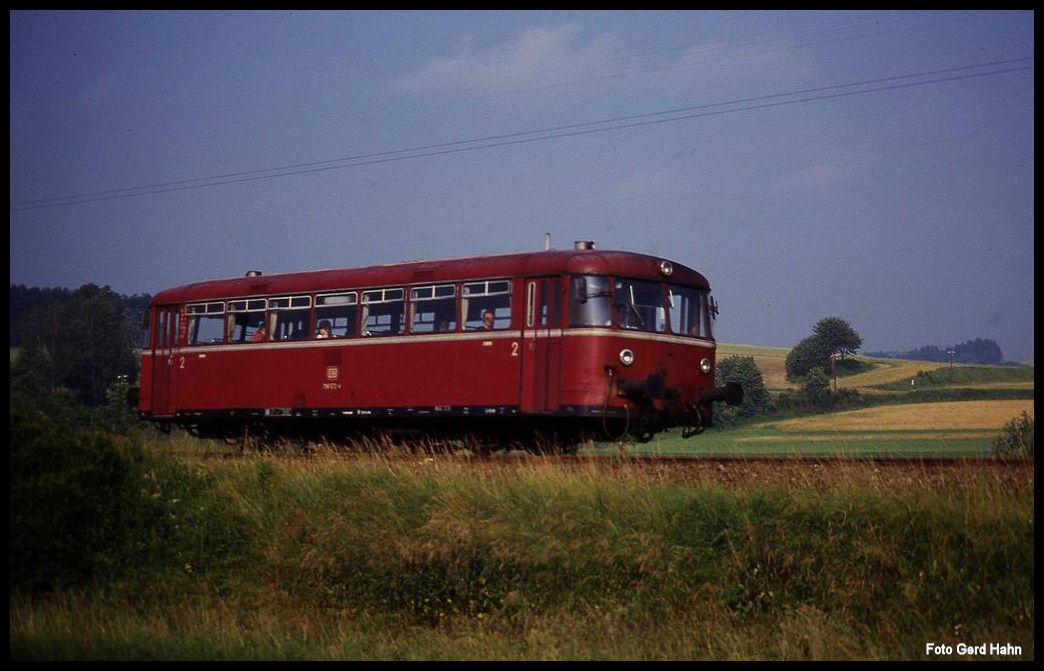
(549, 133)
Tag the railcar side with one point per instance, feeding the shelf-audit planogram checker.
(571, 343)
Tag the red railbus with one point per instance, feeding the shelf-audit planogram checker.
(559, 345)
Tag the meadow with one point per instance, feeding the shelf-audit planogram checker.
(927, 430)
(328, 558)
(201, 554)
(914, 408)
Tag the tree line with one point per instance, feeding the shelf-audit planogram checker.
(26, 299)
(75, 343)
(979, 351)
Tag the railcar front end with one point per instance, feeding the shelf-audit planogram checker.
(639, 350)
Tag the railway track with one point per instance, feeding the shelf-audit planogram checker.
(755, 464)
(765, 470)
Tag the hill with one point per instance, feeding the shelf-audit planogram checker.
(887, 372)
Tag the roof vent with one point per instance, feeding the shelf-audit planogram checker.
(253, 273)
(584, 244)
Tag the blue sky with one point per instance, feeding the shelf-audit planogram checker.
(876, 166)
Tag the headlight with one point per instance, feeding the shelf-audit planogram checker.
(666, 268)
(626, 357)
(705, 366)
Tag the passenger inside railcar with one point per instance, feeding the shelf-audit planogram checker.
(323, 330)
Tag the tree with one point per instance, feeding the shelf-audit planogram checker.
(744, 370)
(838, 335)
(978, 351)
(26, 299)
(806, 355)
(82, 344)
(831, 337)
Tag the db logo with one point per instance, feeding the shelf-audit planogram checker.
(332, 372)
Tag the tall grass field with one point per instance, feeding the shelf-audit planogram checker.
(373, 558)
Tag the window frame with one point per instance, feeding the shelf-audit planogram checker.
(211, 310)
(383, 296)
(294, 304)
(491, 291)
(322, 306)
(250, 324)
(417, 300)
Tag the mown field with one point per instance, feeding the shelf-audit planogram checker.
(941, 429)
(946, 411)
(176, 549)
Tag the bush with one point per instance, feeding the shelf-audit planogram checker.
(742, 369)
(810, 353)
(86, 509)
(816, 390)
(1016, 441)
(72, 503)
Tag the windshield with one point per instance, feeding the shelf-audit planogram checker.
(639, 305)
(689, 314)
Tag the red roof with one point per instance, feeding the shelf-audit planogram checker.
(527, 264)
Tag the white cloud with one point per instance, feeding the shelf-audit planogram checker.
(537, 57)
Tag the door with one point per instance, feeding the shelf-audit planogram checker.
(541, 338)
(164, 357)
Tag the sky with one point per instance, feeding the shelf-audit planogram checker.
(876, 166)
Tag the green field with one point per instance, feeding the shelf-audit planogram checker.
(953, 429)
(947, 411)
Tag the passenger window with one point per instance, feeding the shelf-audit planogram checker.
(288, 317)
(383, 312)
(433, 309)
(205, 323)
(486, 305)
(336, 314)
(246, 321)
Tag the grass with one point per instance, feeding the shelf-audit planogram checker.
(761, 441)
(894, 374)
(964, 415)
(952, 429)
(948, 411)
(376, 558)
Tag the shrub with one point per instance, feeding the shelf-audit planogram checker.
(1016, 440)
(816, 390)
(71, 498)
(742, 369)
(86, 507)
